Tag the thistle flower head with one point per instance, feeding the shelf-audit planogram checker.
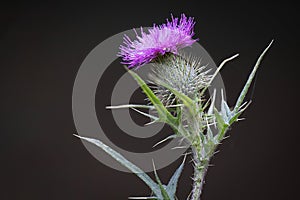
(160, 39)
(183, 73)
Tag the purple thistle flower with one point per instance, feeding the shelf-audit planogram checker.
(161, 39)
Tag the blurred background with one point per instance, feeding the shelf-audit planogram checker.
(42, 46)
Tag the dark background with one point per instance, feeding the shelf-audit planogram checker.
(42, 46)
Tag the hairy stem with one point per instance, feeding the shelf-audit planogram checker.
(200, 170)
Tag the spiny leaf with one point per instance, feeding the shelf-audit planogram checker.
(250, 78)
(225, 108)
(161, 186)
(118, 157)
(163, 113)
(220, 120)
(212, 104)
(172, 185)
(222, 126)
(235, 116)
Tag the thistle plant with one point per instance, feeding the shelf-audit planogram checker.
(179, 83)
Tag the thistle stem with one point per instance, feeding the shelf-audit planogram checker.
(199, 175)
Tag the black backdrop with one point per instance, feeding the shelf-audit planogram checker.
(42, 46)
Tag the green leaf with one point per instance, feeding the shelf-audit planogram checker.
(226, 113)
(225, 110)
(212, 103)
(250, 79)
(210, 136)
(220, 120)
(163, 191)
(222, 126)
(229, 116)
(188, 102)
(172, 185)
(236, 115)
(119, 158)
(163, 112)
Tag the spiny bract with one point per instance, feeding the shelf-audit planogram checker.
(183, 73)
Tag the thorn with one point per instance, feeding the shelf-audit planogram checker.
(179, 147)
(76, 135)
(216, 152)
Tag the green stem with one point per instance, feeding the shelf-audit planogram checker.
(199, 175)
(200, 168)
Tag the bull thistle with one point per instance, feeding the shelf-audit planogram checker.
(177, 95)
